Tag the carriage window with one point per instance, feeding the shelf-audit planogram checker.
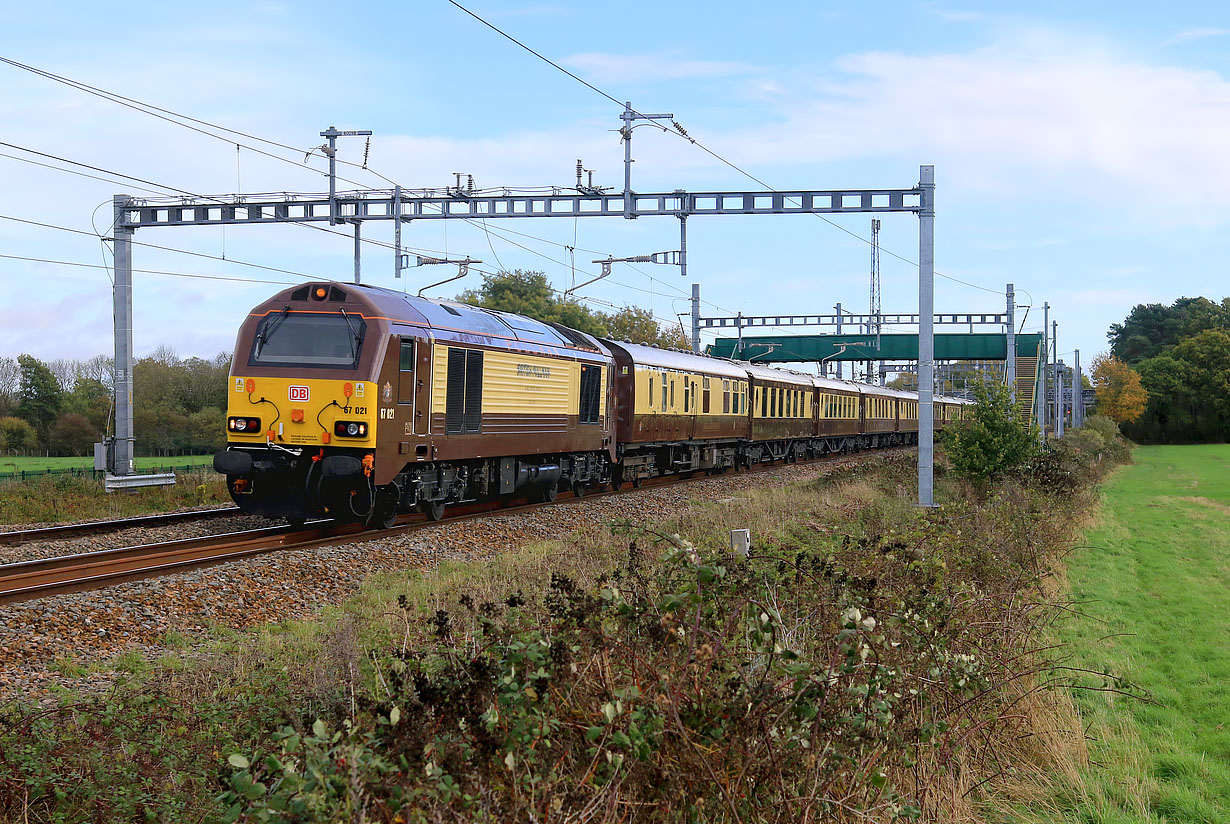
(651, 393)
(664, 407)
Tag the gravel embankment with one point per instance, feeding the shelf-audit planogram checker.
(36, 636)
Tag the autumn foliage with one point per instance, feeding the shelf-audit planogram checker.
(1121, 396)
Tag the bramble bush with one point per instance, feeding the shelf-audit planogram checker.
(835, 674)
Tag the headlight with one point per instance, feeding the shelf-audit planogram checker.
(352, 429)
(243, 424)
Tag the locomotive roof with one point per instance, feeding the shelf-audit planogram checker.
(458, 320)
(679, 361)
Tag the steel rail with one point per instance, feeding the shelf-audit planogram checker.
(27, 580)
(42, 533)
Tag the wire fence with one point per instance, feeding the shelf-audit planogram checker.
(97, 474)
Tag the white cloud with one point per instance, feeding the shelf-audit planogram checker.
(1195, 34)
(1077, 121)
(635, 68)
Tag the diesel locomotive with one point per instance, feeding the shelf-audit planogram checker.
(359, 402)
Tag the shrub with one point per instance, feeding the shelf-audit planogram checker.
(991, 442)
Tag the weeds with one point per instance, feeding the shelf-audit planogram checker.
(62, 498)
(868, 661)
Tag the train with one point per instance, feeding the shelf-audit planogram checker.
(359, 403)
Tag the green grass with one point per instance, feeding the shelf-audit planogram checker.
(61, 498)
(1154, 589)
(10, 464)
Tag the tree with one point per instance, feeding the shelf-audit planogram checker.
(91, 399)
(1120, 394)
(640, 326)
(993, 440)
(1168, 382)
(1153, 329)
(10, 380)
(73, 435)
(39, 396)
(17, 434)
(1207, 354)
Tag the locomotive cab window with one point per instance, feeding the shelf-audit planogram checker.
(308, 339)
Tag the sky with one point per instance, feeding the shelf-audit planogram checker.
(1081, 152)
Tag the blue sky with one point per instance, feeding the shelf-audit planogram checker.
(1082, 150)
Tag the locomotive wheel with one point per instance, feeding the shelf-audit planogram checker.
(549, 494)
(638, 482)
(384, 510)
(434, 510)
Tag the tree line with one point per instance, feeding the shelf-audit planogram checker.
(65, 406)
(1167, 376)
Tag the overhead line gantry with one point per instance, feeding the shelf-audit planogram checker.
(403, 206)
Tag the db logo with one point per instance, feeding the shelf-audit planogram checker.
(299, 393)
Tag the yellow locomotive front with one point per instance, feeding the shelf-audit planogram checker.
(301, 410)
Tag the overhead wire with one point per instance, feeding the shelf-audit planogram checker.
(678, 131)
(165, 248)
(144, 271)
(151, 110)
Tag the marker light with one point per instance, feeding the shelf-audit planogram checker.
(319, 293)
(243, 424)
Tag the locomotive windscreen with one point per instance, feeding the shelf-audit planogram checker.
(308, 339)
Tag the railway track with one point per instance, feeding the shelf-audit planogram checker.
(40, 578)
(59, 531)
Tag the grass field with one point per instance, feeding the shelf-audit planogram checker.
(1153, 590)
(10, 464)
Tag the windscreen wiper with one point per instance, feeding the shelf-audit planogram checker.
(265, 334)
(357, 339)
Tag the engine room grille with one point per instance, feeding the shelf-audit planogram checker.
(463, 403)
(591, 393)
